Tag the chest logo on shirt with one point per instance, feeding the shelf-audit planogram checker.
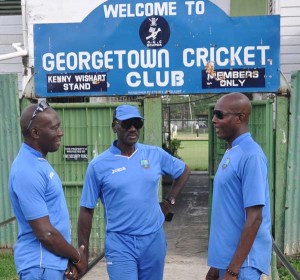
(118, 170)
(226, 163)
(145, 163)
(51, 174)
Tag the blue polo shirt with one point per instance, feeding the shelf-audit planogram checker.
(241, 181)
(36, 191)
(128, 187)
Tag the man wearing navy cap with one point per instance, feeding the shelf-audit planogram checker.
(126, 179)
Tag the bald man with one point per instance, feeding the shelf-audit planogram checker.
(240, 242)
(43, 250)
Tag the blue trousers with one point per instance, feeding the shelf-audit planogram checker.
(246, 273)
(39, 273)
(135, 257)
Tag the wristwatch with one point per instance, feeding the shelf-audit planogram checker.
(171, 200)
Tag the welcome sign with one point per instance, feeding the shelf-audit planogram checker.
(157, 47)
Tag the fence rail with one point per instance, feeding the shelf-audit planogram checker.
(7, 221)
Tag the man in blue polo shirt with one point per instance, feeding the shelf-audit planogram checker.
(240, 242)
(126, 179)
(43, 250)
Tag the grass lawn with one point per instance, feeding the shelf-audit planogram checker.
(191, 136)
(7, 266)
(284, 274)
(194, 154)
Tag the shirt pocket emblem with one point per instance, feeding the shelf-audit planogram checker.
(226, 163)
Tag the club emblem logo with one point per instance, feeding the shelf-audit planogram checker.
(226, 163)
(155, 32)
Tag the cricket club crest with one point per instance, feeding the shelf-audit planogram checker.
(226, 163)
(155, 32)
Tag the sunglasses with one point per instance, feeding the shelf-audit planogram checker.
(43, 105)
(127, 124)
(220, 114)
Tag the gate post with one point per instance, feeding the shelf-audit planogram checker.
(280, 168)
(153, 121)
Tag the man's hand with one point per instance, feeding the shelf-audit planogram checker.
(82, 264)
(71, 271)
(165, 207)
(212, 274)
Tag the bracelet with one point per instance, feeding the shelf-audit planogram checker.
(232, 273)
(79, 258)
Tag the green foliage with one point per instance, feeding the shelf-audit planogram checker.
(283, 272)
(173, 147)
(7, 267)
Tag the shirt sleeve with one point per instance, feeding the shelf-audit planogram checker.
(255, 181)
(171, 165)
(90, 191)
(30, 190)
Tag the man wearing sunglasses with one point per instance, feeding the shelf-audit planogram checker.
(126, 179)
(43, 250)
(240, 243)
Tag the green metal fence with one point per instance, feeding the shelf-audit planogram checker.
(10, 140)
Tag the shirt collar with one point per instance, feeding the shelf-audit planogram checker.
(116, 151)
(31, 150)
(239, 139)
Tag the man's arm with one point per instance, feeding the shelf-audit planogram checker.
(179, 183)
(176, 189)
(54, 242)
(252, 224)
(84, 230)
(212, 274)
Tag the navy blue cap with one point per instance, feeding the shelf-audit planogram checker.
(125, 112)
